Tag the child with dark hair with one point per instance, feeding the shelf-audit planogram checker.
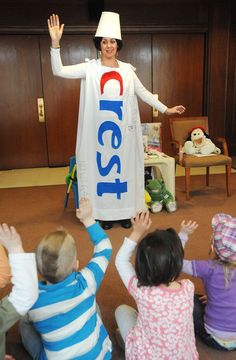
(215, 320)
(162, 328)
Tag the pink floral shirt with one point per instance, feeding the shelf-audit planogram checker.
(164, 328)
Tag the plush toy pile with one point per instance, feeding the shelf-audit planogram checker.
(199, 142)
(157, 196)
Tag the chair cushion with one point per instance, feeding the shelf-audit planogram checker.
(197, 161)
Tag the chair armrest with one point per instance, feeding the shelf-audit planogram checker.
(178, 150)
(224, 145)
(175, 146)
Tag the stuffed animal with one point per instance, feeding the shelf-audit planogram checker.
(199, 142)
(159, 196)
(154, 206)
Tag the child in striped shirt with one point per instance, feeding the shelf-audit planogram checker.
(65, 322)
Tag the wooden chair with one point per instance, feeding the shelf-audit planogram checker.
(179, 129)
(71, 183)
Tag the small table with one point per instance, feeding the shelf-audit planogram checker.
(163, 166)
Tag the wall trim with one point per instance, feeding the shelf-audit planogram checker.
(10, 30)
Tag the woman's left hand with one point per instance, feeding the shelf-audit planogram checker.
(179, 109)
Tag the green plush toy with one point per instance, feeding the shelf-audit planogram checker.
(154, 206)
(159, 194)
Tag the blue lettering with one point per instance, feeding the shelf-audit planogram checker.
(114, 106)
(115, 160)
(112, 188)
(116, 133)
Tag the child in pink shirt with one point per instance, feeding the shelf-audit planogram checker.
(162, 328)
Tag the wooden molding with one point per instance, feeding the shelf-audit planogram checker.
(142, 29)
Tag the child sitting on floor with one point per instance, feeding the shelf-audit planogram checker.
(162, 328)
(5, 270)
(215, 321)
(65, 322)
(24, 292)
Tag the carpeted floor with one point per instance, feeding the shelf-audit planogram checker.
(35, 211)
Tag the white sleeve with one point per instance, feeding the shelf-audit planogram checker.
(183, 237)
(25, 281)
(77, 71)
(147, 96)
(122, 261)
(187, 264)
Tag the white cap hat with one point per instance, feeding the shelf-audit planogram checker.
(109, 25)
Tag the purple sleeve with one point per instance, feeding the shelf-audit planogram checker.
(202, 268)
(187, 267)
(197, 268)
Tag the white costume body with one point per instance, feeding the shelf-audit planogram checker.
(109, 147)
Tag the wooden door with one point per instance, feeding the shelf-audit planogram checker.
(178, 75)
(61, 96)
(137, 50)
(22, 136)
(230, 126)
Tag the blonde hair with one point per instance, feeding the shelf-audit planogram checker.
(228, 267)
(56, 255)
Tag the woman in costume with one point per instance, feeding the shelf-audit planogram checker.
(109, 147)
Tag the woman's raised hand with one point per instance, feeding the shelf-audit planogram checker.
(55, 30)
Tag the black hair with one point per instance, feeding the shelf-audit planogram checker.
(97, 43)
(159, 258)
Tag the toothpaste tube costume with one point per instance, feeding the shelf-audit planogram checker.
(109, 147)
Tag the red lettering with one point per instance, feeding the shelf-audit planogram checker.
(111, 75)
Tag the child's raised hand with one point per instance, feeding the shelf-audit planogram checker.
(141, 223)
(85, 213)
(189, 227)
(10, 239)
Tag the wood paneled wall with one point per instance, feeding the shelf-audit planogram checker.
(184, 50)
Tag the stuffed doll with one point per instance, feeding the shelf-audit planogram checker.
(159, 196)
(154, 206)
(199, 142)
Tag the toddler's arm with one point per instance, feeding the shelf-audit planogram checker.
(95, 269)
(185, 230)
(5, 271)
(24, 274)
(141, 224)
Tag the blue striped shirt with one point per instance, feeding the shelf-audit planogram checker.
(65, 313)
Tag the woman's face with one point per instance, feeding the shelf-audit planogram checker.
(108, 48)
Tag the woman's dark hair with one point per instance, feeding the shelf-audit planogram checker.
(97, 43)
(159, 258)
